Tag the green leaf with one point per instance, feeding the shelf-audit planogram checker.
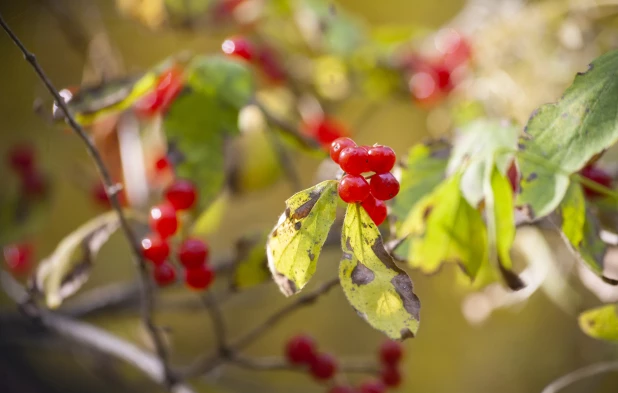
(251, 264)
(201, 119)
(294, 246)
(601, 322)
(424, 171)
(208, 221)
(581, 231)
(378, 290)
(563, 136)
(444, 228)
(477, 147)
(63, 272)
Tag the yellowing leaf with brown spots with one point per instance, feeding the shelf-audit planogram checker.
(601, 322)
(294, 246)
(378, 290)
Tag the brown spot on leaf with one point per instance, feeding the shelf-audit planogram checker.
(591, 323)
(609, 281)
(298, 225)
(362, 275)
(427, 212)
(532, 176)
(512, 280)
(406, 333)
(303, 210)
(405, 289)
(378, 248)
(310, 254)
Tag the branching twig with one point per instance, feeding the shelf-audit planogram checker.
(281, 364)
(578, 375)
(146, 282)
(218, 321)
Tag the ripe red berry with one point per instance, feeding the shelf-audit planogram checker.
(163, 220)
(513, 176)
(99, 196)
(372, 387)
(354, 160)
(381, 159)
(339, 144)
(21, 158)
(391, 352)
(162, 164)
(443, 78)
(376, 209)
(323, 367)
(325, 130)
(239, 47)
(34, 184)
(271, 65)
(342, 389)
(384, 186)
(18, 257)
(598, 176)
(353, 188)
(193, 253)
(181, 194)
(155, 249)
(200, 277)
(391, 376)
(300, 349)
(164, 274)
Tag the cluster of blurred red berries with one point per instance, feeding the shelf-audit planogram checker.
(302, 351)
(261, 55)
(356, 162)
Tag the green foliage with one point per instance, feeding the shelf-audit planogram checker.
(250, 265)
(209, 220)
(377, 289)
(562, 137)
(63, 272)
(294, 246)
(601, 322)
(202, 118)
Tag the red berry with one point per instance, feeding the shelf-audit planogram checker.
(300, 349)
(443, 78)
(326, 130)
(391, 376)
(339, 144)
(354, 160)
(181, 194)
(162, 164)
(163, 220)
(323, 367)
(353, 188)
(164, 274)
(376, 209)
(18, 257)
(21, 158)
(200, 277)
(155, 249)
(513, 175)
(193, 253)
(99, 195)
(391, 352)
(372, 387)
(384, 186)
(598, 176)
(381, 159)
(169, 85)
(34, 184)
(239, 47)
(341, 389)
(271, 65)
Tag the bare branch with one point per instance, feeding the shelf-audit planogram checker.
(281, 364)
(218, 321)
(146, 283)
(582, 373)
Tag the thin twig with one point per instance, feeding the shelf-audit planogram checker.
(578, 375)
(112, 192)
(286, 127)
(281, 364)
(218, 321)
(289, 169)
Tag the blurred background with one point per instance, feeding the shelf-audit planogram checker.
(517, 349)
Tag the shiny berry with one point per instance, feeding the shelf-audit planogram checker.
(300, 349)
(513, 176)
(193, 253)
(372, 387)
(18, 257)
(200, 277)
(353, 188)
(375, 208)
(155, 249)
(181, 194)
(323, 367)
(381, 159)
(342, 389)
(391, 353)
(21, 158)
(598, 176)
(162, 165)
(391, 376)
(239, 47)
(163, 220)
(339, 144)
(384, 186)
(164, 274)
(354, 160)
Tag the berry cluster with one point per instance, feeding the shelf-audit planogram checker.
(262, 56)
(192, 253)
(358, 160)
(169, 85)
(598, 176)
(301, 351)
